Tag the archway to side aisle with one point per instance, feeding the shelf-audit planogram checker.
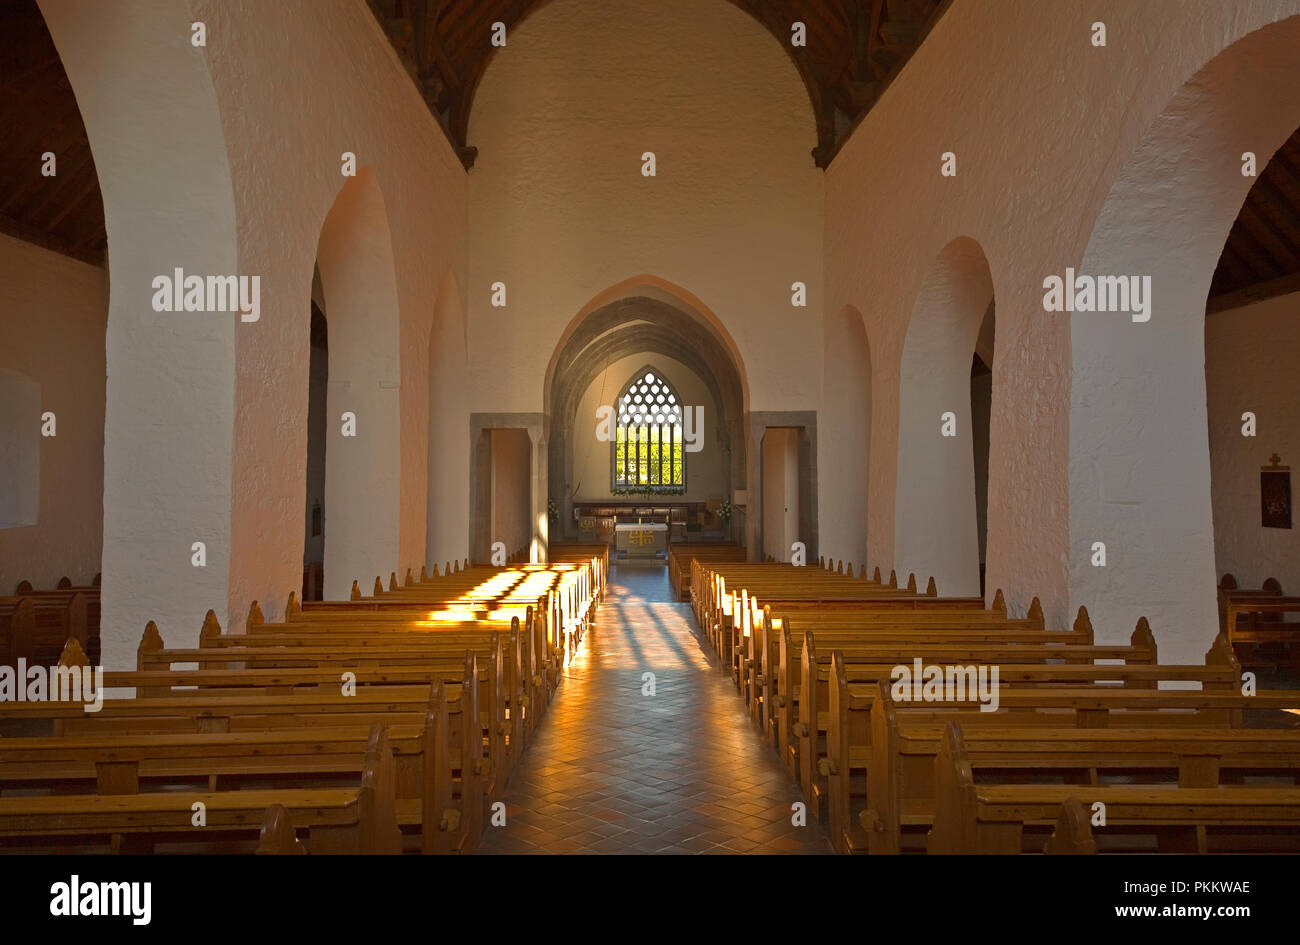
(1252, 342)
(313, 551)
(362, 434)
(148, 103)
(846, 411)
(53, 311)
(936, 523)
(1139, 452)
(692, 459)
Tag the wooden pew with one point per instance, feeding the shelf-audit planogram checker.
(849, 729)
(1019, 666)
(1255, 618)
(998, 818)
(46, 622)
(682, 557)
(230, 733)
(900, 788)
(362, 819)
(439, 656)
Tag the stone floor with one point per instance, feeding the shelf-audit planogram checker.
(611, 770)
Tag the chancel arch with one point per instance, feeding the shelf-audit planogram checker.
(646, 331)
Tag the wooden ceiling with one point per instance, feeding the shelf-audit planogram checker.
(1262, 256)
(38, 113)
(854, 49)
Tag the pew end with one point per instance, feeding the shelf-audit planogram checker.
(73, 654)
(150, 642)
(1035, 615)
(999, 603)
(1083, 625)
(1073, 833)
(1143, 637)
(278, 836)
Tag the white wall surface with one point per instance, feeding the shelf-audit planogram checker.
(1042, 124)
(1250, 358)
(52, 315)
(559, 210)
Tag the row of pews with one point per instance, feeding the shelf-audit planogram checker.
(1086, 747)
(388, 723)
(1254, 620)
(35, 625)
(683, 555)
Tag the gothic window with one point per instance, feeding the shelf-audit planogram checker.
(647, 449)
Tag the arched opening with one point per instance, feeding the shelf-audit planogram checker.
(936, 524)
(1252, 341)
(593, 413)
(53, 317)
(313, 555)
(1140, 489)
(611, 461)
(846, 406)
(362, 443)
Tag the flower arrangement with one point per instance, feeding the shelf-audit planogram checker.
(724, 512)
(552, 511)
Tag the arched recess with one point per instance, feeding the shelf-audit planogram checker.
(447, 517)
(935, 521)
(1139, 456)
(643, 316)
(363, 437)
(846, 408)
(151, 115)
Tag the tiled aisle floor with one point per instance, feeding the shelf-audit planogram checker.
(683, 771)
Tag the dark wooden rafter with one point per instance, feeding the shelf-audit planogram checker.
(853, 49)
(1261, 257)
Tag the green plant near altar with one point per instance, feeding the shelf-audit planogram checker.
(724, 512)
(552, 510)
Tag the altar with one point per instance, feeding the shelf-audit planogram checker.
(638, 539)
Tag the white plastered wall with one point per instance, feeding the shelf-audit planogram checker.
(560, 211)
(324, 78)
(1250, 357)
(206, 426)
(1042, 123)
(362, 436)
(845, 423)
(150, 112)
(935, 531)
(53, 310)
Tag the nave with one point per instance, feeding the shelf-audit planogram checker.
(615, 769)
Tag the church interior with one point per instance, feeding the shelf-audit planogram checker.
(693, 426)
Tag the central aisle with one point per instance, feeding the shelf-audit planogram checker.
(681, 771)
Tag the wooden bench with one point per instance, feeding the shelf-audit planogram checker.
(36, 626)
(900, 789)
(999, 818)
(849, 729)
(362, 819)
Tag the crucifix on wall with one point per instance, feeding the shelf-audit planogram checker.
(1275, 494)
